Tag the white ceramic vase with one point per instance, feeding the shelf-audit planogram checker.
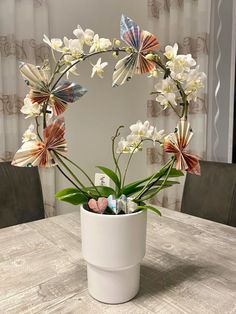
(113, 247)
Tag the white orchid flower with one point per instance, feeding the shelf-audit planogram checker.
(30, 109)
(73, 46)
(66, 44)
(166, 99)
(140, 129)
(123, 146)
(180, 64)
(134, 142)
(98, 68)
(68, 59)
(72, 70)
(155, 73)
(85, 37)
(157, 136)
(100, 44)
(54, 43)
(194, 82)
(166, 86)
(171, 52)
(29, 134)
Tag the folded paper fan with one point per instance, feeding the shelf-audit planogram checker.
(40, 153)
(176, 143)
(141, 42)
(65, 92)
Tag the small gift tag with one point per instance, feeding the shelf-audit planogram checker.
(101, 179)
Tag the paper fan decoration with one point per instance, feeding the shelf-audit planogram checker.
(176, 143)
(65, 92)
(40, 153)
(142, 42)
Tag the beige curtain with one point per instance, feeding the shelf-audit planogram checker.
(186, 22)
(22, 25)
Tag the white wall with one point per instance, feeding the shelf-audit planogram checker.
(91, 122)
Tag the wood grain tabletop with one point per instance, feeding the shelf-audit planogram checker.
(189, 267)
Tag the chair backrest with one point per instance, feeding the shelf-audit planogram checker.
(213, 194)
(21, 198)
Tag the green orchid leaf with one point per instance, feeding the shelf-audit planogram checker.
(152, 208)
(104, 191)
(167, 183)
(152, 192)
(127, 189)
(111, 174)
(72, 196)
(132, 189)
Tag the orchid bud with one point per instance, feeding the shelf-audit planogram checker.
(115, 54)
(117, 42)
(150, 57)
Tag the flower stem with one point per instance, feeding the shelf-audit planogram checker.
(175, 110)
(37, 128)
(167, 172)
(113, 151)
(68, 169)
(180, 89)
(44, 114)
(57, 68)
(80, 169)
(68, 178)
(129, 160)
(147, 185)
(83, 58)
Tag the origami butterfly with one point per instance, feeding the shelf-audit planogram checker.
(40, 153)
(141, 42)
(176, 143)
(38, 78)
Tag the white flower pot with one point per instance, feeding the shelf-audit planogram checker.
(113, 247)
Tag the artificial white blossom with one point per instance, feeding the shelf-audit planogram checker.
(54, 43)
(171, 52)
(30, 109)
(166, 100)
(29, 134)
(98, 68)
(85, 37)
(99, 44)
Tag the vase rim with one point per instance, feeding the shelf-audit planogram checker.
(112, 216)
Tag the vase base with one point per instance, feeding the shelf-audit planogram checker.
(113, 286)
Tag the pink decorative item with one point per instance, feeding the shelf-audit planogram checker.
(98, 206)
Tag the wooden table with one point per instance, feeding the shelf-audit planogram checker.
(190, 267)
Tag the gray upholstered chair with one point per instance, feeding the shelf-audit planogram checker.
(21, 198)
(213, 194)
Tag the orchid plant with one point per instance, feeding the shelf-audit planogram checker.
(44, 145)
